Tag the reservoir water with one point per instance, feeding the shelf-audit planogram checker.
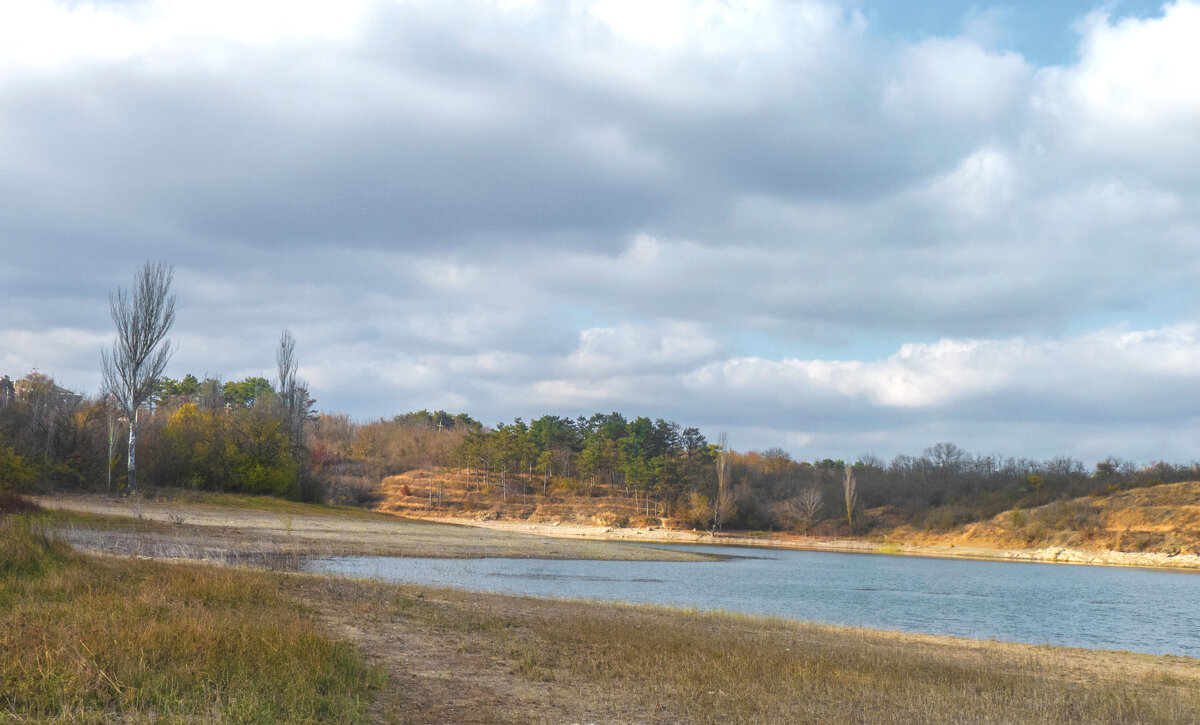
(1141, 610)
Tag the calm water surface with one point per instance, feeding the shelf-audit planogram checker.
(1080, 606)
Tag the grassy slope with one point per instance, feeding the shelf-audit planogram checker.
(1163, 518)
(531, 660)
(94, 640)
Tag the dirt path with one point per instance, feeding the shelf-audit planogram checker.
(434, 676)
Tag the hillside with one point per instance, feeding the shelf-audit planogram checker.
(1162, 519)
(449, 492)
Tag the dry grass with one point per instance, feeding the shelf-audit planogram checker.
(1163, 519)
(102, 639)
(98, 640)
(533, 660)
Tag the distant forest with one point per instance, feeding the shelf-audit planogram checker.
(236, 436)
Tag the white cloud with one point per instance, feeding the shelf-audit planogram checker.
(71, 355)
(952, 375)
(983, 183)
(603, 351)
(956, 78)
(730, 213)
(1132, 96)
(54, 36)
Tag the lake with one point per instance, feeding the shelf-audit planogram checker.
(1141, 610)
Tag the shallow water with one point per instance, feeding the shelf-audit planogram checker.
(1141, 610)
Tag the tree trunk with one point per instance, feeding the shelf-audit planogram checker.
(112, 444)
(132, 452)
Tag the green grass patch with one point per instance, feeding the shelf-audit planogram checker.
(26, 550)
(260, 503)
(96, 640)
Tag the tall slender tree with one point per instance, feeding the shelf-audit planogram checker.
(286, 366)
(294, 400)
(143, 315)
(850, 489)
(725, 506)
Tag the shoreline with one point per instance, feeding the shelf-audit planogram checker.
(1042, 555)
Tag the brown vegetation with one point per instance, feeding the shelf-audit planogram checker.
(1163, 519)
(106, 640)
(130, 639)
(470, 657)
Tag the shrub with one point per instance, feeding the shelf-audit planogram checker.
(942, 518)
(1018, 518)
(1076, 515)
(1035, 532)
(15, 473)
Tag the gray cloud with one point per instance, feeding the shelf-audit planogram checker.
(514, 210)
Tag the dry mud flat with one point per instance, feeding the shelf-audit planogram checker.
(168, 529)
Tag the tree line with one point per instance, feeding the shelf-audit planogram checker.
(210, 438)
(244, 436)
(264, 436)
(675, 472)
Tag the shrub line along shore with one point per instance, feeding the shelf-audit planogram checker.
(1048, 554)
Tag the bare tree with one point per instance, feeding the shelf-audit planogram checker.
(850, 488)
(801, 512)
(724, 507)
(286, 365)
(294, 401)
(143, 316)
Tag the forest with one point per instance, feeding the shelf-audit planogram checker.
(242, 436)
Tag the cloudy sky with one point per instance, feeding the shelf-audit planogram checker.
(835, 226)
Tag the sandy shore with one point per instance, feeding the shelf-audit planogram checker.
(1053, 554)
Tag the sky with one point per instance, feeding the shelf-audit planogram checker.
(838, 227)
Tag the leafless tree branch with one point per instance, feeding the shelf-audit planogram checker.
(143, 315)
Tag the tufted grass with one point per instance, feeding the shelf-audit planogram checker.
(86, 639)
